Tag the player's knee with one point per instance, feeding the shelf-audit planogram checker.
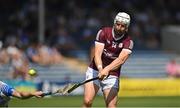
(88, 102)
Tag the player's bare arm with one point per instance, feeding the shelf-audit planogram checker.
(98, 53)
(123, 56)
(26, 95)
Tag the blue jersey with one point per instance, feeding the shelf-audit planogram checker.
(5, 93)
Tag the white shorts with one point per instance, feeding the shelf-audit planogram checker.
(110, 82)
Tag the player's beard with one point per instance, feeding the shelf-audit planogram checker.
(119, 33)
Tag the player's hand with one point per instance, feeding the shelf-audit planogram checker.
(38, 94)
(103, 74)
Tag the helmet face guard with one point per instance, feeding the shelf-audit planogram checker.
(123, 18)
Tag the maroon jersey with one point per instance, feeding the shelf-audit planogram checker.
(112, 47)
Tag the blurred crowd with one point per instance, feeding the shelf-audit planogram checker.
(73, 24)
(19, 59)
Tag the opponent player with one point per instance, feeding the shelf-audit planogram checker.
(6, 92)
(112, 48)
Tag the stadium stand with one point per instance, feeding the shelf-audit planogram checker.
(147, 64)
(54, 73)
(140, 65)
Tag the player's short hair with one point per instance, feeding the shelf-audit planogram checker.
(123, 17)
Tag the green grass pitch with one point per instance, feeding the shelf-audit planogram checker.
(76, 101)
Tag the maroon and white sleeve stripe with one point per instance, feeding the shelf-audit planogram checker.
(129, 47)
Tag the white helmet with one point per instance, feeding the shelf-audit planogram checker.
(122, 17)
